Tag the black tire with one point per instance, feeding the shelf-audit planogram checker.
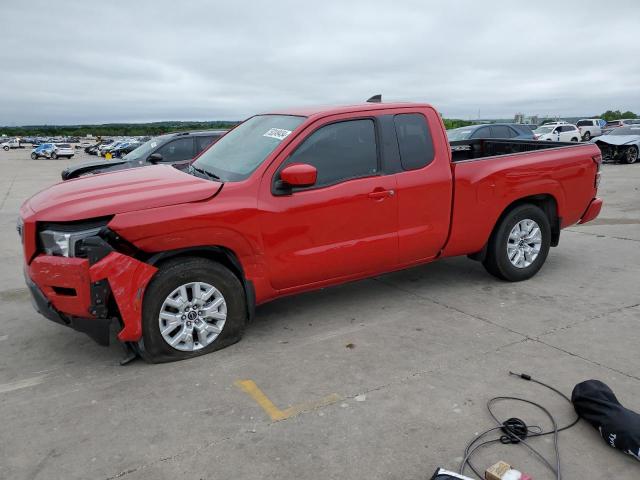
(54, 155)
(497, 261)
(574, 139)
(6, 149)
(34, 156)
(631, 155)
(587, 136)
(171, 275)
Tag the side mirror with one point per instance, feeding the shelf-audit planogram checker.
(155, 158)
(299, 175)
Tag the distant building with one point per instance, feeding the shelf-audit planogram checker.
(522, 118)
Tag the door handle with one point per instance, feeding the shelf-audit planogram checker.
(381, 194)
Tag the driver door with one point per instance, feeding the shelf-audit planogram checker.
(346, 225)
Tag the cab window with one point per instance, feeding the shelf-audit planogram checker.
(339, 151)
(414, 141)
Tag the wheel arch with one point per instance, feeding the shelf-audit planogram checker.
(216, 253)
(546, 202)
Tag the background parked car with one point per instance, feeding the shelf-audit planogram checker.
(53, 151)
(93, 149)
(123, 148)
(177, 149)
(620, 145)
(589, 127)
(11, 143)
(613, 124)
(559, 132)
(494, 130)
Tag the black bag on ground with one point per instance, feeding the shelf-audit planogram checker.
(619, 427)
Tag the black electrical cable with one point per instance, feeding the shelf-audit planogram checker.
(516, 431)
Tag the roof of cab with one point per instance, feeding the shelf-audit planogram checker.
(323, 111)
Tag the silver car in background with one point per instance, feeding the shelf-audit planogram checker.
(620, 145)
(53, 151)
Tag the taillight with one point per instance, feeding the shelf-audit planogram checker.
(597, 159)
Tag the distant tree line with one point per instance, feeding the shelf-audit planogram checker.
(617, 115)
(450, 123)
(159, 128)
(112, 129)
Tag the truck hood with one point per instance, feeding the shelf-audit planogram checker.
(119, 192)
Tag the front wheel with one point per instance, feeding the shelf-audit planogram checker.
(6, 149)
(574, 139)
(631, 155)
(192, 306)
(34, 156)
(519, 245)
(587, 136)
(54, 155)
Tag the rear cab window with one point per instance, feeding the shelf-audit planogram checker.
(414, 140)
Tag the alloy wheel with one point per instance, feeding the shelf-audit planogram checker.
(524, 243)
(192, 316)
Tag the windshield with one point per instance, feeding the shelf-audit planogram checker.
(543, 130)
(238, 153)
(143, 150)
(462, 133)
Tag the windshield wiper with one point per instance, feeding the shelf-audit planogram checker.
(206, 172)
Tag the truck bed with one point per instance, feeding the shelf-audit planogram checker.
(463, 150)
(489, 175)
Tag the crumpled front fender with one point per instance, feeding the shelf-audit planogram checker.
(128, 279)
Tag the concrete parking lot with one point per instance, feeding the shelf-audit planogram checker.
(385, 378)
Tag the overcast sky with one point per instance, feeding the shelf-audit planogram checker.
(91, 61)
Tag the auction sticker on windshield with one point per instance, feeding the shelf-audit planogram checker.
(277, 133)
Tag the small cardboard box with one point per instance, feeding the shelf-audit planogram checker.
(495, 472)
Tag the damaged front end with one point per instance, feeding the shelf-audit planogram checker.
(615, 153)
(83, 275)
(622, 145)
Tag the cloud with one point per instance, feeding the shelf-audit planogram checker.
(89, 61)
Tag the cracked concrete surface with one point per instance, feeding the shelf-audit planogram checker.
(427, 348)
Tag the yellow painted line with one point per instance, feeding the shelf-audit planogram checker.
(250, 387)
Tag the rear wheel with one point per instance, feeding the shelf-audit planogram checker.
(5, 148)
(574, 139)
(192, 306)
(587, 136)
(631, 155)
(519, 245)
(54, 155)
(34, 156)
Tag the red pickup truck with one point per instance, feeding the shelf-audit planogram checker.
(289, 202)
